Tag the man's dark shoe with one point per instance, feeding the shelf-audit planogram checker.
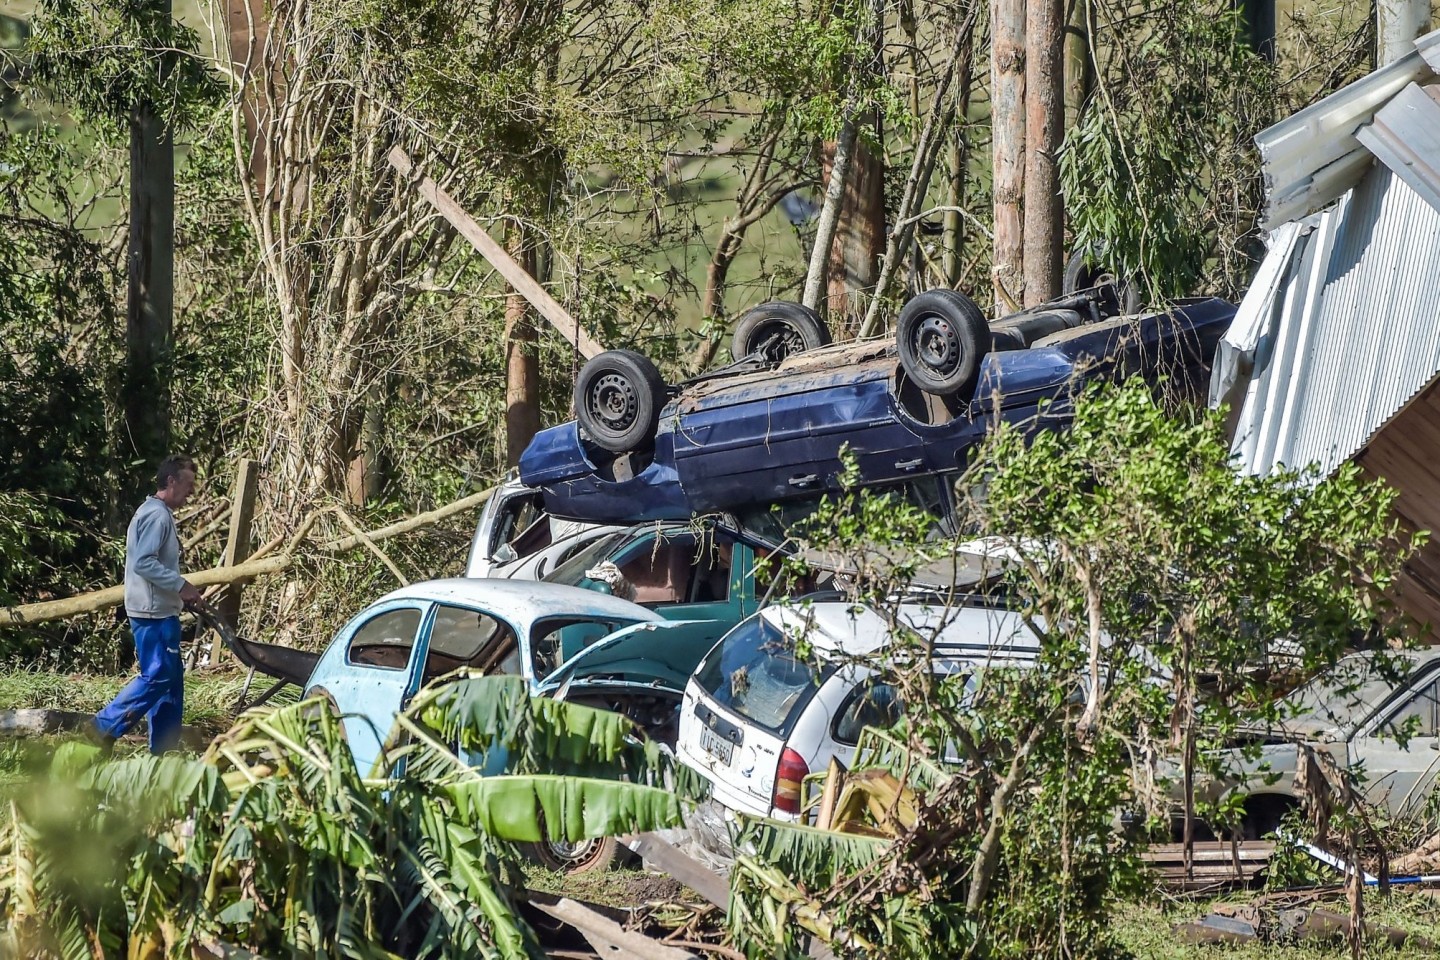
(103, 740)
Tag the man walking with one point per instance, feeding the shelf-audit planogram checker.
(154, 595)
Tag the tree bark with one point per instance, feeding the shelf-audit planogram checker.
(522, 360)
(150, 302)
(1079, 66)
(959, 157)
(247, 29)
(927, 151)
(1007, 32)
(1397, 24)
(860, 234)
(1044, 130)
(829, 219)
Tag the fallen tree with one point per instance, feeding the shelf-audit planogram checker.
(264, 561)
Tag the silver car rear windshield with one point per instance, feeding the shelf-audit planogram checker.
(754, 671)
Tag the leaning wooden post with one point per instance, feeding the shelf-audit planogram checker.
(237, 546)
(517, 276)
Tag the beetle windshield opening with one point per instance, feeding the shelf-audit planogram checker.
(554, 641)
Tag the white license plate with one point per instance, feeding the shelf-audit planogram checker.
(716, 745)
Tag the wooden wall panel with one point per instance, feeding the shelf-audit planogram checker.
(1406, 453)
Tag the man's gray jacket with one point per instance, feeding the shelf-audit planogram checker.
(152, 563)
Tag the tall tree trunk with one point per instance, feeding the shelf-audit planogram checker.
(1044, 130)
(860, 235)
(829, 218)
(1079, 66)
(958, 157)
(927, 150)
(1397, 24)
(365, 478)
(1007, 65)
(522, 360)
(247, 28)
(151, 267)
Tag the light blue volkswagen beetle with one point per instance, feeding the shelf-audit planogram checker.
(571, 643)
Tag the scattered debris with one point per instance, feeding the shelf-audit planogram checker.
(1270, 920)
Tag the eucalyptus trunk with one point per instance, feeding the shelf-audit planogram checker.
(1044, 132)
(1007, 66)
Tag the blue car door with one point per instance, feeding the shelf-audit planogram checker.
(376, 673)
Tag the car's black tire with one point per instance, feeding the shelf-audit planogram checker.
(1088, 268)
(942, 336)
(618, 397)
(586, 856)
(778, 329)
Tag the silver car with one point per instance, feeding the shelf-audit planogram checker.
(1384, 728)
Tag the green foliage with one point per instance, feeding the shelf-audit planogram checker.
(274, 840)
(1158, 171)
(1156, 581)
(104, 59)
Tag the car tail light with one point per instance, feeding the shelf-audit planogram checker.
(793, 770)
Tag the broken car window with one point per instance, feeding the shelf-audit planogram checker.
(385, 640)
(461, 637)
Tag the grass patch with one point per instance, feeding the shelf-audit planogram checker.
(210, 696)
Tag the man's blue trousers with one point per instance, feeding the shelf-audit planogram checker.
(158, 694)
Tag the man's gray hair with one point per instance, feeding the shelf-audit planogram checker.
(170, 468)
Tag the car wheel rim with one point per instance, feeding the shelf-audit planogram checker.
(937, 345)
(572, 854)
(780, 340)
(613, 402)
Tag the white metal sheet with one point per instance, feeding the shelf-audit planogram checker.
(1405, 136)
(1351, 332)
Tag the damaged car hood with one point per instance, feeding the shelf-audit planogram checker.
(656, 654)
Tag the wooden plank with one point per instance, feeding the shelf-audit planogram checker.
(689, 871)
(238, 545)
(1208, 851)
(605, 935)
(514, 274)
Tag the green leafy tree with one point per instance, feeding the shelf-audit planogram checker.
(1157, 583)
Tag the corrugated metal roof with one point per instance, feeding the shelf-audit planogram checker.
(1349, 330)
(1405, 135)
(1311, 158)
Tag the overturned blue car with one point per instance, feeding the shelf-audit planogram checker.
(767, 431)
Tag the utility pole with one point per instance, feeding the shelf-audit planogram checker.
(151, 268)
(1397, 24)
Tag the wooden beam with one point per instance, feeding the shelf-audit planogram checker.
(689, 871)
(237, 545)
(605, 935)
(514, 274)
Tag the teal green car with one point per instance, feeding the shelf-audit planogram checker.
(681, 571)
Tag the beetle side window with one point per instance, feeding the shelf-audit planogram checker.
(871, 704)
(460, 637)
(385, 640)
